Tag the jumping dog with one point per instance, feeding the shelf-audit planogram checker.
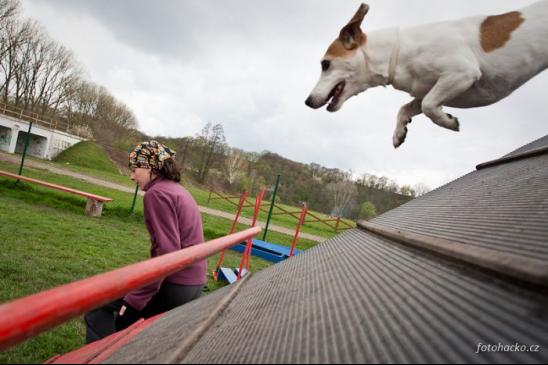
(466, 63)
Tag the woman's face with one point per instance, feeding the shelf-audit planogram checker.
(141, 176)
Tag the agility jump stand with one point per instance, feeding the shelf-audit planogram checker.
(231, 275)
(271, 251)
(266, 250)
(228, 273)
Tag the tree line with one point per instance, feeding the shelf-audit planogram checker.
(209, 160)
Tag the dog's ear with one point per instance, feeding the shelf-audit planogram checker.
(351, 36)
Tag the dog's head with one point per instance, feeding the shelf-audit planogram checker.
(344, 72)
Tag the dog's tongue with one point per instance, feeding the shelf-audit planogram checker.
(335, 94)
(340, 87)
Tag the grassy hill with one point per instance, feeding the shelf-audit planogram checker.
(87, 154)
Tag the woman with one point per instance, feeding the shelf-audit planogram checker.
(173, 221)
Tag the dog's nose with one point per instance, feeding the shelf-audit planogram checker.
(309, 102)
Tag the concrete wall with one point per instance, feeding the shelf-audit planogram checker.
(5, 138)
(44, 142)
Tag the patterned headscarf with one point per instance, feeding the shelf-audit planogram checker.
(151, 154)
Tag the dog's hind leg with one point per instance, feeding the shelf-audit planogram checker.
(405, 114)
(446, 89)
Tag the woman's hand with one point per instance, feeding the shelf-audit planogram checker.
(126, 317)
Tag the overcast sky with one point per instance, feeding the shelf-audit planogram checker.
(250, 64)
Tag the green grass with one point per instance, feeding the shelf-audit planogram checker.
(87, 154)
(48, 241)
(45, 246)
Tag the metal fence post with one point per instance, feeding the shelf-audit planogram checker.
(27, 140)
(271, 207)
(132, 211)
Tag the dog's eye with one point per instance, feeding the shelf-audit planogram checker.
(325, 65)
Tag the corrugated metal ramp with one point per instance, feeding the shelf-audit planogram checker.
(362, 297)
(357, 298)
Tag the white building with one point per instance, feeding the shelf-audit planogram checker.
(44, 142)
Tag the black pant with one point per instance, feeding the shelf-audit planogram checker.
(100, 321)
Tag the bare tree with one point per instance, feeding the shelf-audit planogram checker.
(421, 189)
(8, 9)
(13, 37)
(184, 149)
(212, 144)
(81, 106)
(59, 74)
(391, 186)
(342, 194)
(368, 180)
(112, 118)
(31, 58)
(407, 191)
(37, 73)
(8, 12)
(233, 164)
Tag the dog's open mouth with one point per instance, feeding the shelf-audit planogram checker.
(335, 96)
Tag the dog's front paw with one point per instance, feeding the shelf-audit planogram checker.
(399, 136)
(453, 123)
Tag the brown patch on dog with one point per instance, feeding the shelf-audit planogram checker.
(495, 30)
(337, 49)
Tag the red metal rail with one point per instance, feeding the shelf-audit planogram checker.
(29, 316)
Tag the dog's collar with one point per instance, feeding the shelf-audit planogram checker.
(394, 58)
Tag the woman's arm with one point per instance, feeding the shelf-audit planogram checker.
(163, 225)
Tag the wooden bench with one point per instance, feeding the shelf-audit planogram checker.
(94, 206)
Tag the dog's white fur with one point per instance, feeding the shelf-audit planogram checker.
(437, 64)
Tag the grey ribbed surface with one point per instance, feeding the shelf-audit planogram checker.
(156, 343)
(359, 298)
(503, 208)
(539, 143)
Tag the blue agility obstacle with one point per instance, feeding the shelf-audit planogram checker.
(266, 250)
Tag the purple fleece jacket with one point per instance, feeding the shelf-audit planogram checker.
(174, 222)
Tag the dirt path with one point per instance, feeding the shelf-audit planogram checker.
(214, 212)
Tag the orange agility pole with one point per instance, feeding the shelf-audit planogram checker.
(298, 230)
(232, 229)
(27, 317)
(247, 251)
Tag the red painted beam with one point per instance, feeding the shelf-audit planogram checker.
(27, 317)
(55, 186)
(298, 230)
